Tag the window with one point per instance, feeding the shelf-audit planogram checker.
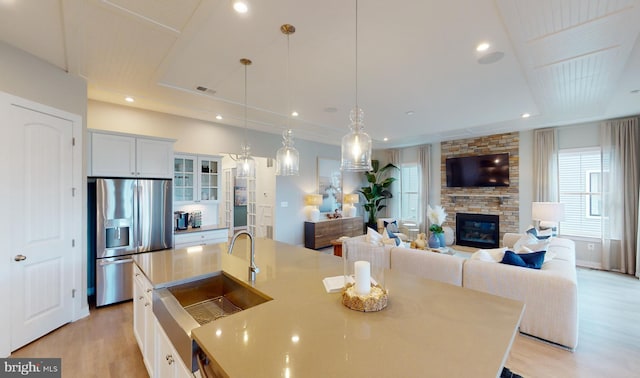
(580, 179)
(410, 192)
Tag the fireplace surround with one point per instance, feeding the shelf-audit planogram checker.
(478, 230)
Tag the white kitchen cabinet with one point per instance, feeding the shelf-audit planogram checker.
(188, 239)
(143, 318)
(168, 362)
(196, 178)
(122, 155)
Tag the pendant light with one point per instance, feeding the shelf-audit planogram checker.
(287, 157)
(245, 165)
(356, 146)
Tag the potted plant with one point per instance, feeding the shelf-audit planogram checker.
(378, 191)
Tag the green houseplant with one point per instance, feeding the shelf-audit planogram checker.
(377, 192)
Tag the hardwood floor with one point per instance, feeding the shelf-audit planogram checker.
(102, 345)
(608, 333)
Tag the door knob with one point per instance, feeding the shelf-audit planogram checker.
(20, 257)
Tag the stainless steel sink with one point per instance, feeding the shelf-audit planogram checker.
(182, 307)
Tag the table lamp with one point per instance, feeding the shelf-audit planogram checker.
(313, 201)
(548, 214)
(350, 200)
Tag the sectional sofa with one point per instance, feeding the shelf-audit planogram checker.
(550, 294)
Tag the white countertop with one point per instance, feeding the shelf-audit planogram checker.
(428, 329)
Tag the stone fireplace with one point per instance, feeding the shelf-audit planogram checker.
(503, 202)
(478, 230)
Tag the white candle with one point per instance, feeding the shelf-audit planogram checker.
(363, 277)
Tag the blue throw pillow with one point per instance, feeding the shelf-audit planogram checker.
(392, 235)
(532, 260)
(534, 232)
(391, 226)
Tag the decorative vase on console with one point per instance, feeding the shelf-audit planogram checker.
(436, 216)
(434, 241)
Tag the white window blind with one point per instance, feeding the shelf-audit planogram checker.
(410, 192)
(580, 179)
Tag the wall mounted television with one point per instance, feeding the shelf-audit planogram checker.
(478, 171)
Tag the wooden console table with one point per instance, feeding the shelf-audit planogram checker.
(320, 234)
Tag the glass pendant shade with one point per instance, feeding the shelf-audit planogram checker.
(356, 145)
(245, 165)
(287, 157)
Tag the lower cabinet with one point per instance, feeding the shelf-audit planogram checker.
(168, 362)
(158, 354)
(143, 318)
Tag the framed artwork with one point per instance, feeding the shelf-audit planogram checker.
(240, 192)
(329, 184)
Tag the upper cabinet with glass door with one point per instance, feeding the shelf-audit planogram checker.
(196, 178)
(209, 174)
(184, 178)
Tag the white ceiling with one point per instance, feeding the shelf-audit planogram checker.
(565, 61)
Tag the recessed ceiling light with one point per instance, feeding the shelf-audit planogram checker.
(385, 139)
(129, 99)
(525, 115)
(294, 113)
(410, 112)
(484, 46)
(219, 117)
(240, 7)
(491, 57)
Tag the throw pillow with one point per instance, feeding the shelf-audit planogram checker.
(530, 242)
(373, 236)
(547, 256)
(391, 226)
(389, 239)
(490, 255)
(527, 260)
(482, 255)
(392, 235)
(533, 232)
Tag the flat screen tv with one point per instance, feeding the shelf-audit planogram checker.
(478, 171)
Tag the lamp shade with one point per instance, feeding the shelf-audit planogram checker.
(351, 198)
(313, 200)
(547, 211)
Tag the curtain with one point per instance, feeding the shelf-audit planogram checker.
(424, 159)
(394, 205)
(620, 194)
(545, 165)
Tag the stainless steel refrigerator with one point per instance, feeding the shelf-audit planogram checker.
(132, 216)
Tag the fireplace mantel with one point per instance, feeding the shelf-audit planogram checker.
(500, 197)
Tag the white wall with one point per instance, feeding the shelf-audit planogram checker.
(201, 137)
(28, 77)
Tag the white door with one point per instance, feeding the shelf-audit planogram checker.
(41, 229)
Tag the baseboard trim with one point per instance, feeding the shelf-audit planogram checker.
(589, 264)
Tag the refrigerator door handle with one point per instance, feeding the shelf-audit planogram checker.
(139, 226)
(122, 261)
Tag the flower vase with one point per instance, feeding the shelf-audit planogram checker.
(443, 242)
(434, 242)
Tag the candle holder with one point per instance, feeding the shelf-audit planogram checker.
(364, 277)
(376, 300)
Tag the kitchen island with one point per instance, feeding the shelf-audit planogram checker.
(428, 329)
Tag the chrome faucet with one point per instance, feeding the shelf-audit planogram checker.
(253, 269)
